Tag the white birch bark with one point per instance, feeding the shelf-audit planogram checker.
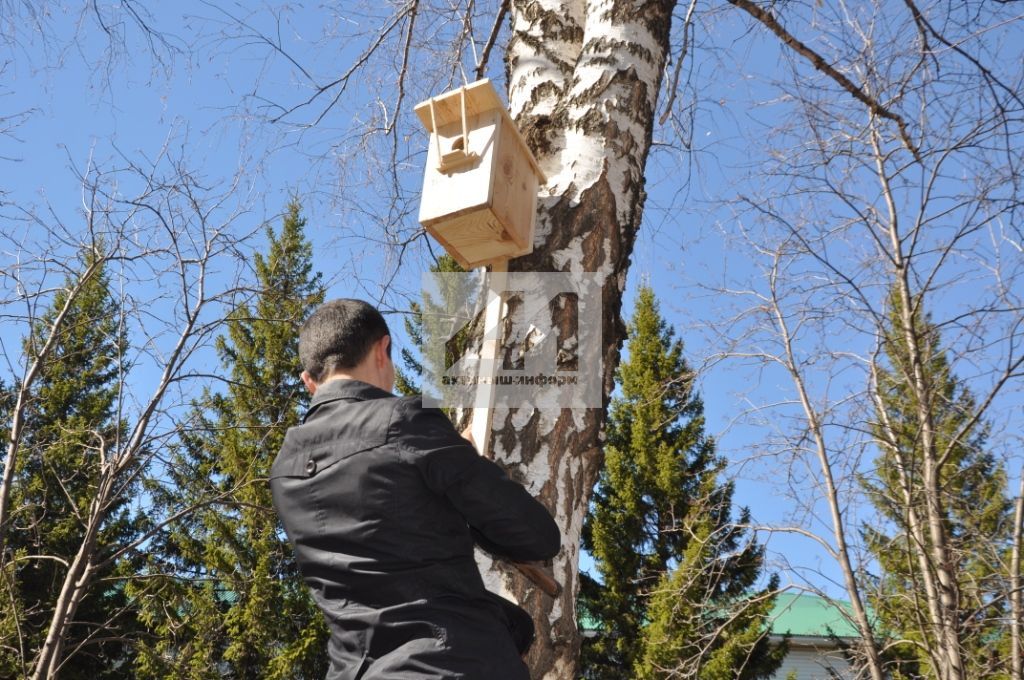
(583, 86)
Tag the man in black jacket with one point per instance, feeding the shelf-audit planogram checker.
(383, 501)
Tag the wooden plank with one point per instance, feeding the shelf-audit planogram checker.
(473, 239)
(487, 252)
(472, 229)
(483, 411)
(483, 255)
(541, 178)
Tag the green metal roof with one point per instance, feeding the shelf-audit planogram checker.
(796, 614)
(807, 615)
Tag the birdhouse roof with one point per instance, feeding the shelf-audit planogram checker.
(481, 97)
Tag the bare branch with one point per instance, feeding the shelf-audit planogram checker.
(875, 107)
(481, 66)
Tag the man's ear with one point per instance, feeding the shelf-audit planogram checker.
(383, 350)
(308, 381)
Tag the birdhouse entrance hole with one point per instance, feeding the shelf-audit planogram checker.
(459, 156)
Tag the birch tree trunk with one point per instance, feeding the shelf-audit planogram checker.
(939, 580)
(584, 78)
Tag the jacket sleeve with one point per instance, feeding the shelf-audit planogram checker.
(503, 517)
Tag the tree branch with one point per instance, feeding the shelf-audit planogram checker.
(481, 66)
(819, 63)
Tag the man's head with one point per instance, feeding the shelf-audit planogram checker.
(346, 338)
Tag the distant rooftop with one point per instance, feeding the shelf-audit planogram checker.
(811, 616)
(799, 615)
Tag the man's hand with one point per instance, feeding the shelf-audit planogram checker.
(537, 572)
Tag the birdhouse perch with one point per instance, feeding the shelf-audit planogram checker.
(480, 183)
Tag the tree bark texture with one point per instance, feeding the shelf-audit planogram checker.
(583, 81)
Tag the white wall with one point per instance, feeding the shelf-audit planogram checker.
(813, 664)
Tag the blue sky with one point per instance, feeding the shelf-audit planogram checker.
(87, 105)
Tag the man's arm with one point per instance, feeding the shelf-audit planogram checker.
(535, 571)
(504, 518)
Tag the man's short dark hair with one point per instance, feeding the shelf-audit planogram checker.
(338, 335)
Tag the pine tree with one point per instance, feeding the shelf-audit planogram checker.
(409, 374)
(971, 500)
(71, 420)
(676, 587)
(239, 608)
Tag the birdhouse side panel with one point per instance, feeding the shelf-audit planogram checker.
(468, 187)
(514, 200)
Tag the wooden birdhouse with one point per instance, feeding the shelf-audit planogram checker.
(480, 184)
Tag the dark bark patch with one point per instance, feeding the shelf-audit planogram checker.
(536, 130)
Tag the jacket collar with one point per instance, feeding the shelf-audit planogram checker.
(342, 388)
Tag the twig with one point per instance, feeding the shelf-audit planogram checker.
(874, 106)
(683, 51)
(492, 38)
(925, 26)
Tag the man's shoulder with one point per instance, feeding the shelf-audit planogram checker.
(411, 417)
(428, 438)
(411, 406)
(335, 429)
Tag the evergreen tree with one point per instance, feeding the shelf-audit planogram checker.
(675, 591)
(235, 605)
(409, 374)
(71, 423)
(971, 500)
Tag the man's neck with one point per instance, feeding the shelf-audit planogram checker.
(354, 375)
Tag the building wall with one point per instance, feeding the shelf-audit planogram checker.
(813, 663)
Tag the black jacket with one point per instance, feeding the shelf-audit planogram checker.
(382, 501)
